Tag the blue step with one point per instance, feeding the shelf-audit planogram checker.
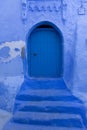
(43, 84)
(56, 122)
(46, 98)
(52, 109)
(43, 104)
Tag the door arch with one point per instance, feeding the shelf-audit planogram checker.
(45, 52)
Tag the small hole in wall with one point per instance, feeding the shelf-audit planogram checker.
(17, 49)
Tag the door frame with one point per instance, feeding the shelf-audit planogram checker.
(28, 45)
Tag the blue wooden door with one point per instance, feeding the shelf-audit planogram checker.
(45, 53)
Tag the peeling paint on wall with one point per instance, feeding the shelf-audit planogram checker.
(10, 50)
(10, 58)
(73, 29)
(4, 52)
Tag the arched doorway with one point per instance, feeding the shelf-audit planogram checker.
(45, 52)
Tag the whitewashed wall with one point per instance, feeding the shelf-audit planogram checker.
(16, 20)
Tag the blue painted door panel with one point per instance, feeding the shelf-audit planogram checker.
(45, 53)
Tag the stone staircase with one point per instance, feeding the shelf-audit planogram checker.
(47, 105)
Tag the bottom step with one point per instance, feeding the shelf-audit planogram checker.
(14, 126)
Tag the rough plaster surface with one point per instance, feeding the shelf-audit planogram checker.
(80, 74)
(9, 86)
(5, 116)
(71, 24)
(10, 60)
(13, 50)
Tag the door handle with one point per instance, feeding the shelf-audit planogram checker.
(34, 54)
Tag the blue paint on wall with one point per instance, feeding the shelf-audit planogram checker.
(16, 49)
(11, 27)
(74, 32)
(12, 68)
(4, 52)
(4, 97)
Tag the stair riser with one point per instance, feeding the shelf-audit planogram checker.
(20, 104)
(45, 98)
(57, 122)
(49, 100)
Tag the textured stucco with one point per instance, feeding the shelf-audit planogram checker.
(14, 31)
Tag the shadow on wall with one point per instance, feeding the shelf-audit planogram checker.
(69, 70)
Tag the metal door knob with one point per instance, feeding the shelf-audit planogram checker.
(34, 54)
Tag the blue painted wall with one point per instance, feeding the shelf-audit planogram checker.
(16, 20)
(10, 21)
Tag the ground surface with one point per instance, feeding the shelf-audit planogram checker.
(4, 117)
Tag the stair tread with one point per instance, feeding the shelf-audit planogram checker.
(45, 92)
(43, 84)
(47, 105)
(45, 116)
(18, 126)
